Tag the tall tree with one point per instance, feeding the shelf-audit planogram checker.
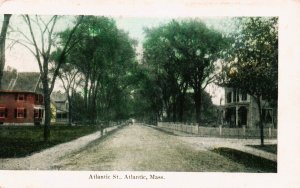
(71, 79)
(198, 48)
(185, 54)
(96, 47)
(159, 54)
(252, 63)
(2, 44)
(105, 56)
(44, 29)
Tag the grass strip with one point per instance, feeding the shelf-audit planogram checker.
(271, 148)
(20, 141)
(248, 160)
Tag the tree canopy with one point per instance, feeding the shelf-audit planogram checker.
(183, 55)
(252, 60)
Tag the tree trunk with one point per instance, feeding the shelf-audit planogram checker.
(174, 109)
(181, 100)
(85, 97)
(70, 108)
(2, 45)
(47, 109)
(261, 126)
(197, 98)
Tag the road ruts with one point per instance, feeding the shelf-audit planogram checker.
(141, 148)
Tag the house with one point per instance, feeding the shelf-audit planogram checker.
(240, 109)
(21, 107)
(21, 101)
(60, 106)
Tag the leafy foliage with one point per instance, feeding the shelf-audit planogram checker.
(105, 56)
(253, 61)
(182, 55)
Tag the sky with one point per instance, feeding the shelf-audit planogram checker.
(21, 59)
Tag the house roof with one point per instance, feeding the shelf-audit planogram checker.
(27, 81)
(58, 96)
(8, 79)
(14, 91)
(22, 81)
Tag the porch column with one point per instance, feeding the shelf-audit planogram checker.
(236, 116)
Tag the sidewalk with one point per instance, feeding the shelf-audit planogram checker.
(209, 143)
(43, 159)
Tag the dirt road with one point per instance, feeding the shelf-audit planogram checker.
(141, 148)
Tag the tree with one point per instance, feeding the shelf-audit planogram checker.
(105, 56)
(118, 80)
(252, 61)
(71, 78)
(198, 48)
(2, 44)
(185, 54)
(160, 56)
(41, 49)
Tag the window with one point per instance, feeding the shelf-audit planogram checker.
(234, 96)
(64, 116)
(229, 97)
(41, 113)
(267, 115)
(20, 113)
(39, 98)
(3, 112)
(244, 96)
(38, 113)
(20, 97)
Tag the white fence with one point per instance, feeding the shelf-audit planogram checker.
(218, 131)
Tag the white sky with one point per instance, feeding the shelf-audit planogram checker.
(21, 59)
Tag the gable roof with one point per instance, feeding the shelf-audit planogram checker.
(27, 81)
(58, 96)
(22, 81)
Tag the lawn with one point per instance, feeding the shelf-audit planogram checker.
(20, 141)
(271, 148)
(249, 160)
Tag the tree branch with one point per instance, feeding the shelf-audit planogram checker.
(63, 53)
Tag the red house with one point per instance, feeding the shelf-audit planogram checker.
(21, 107)
(21, 101)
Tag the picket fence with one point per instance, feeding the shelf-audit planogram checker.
(218, 131)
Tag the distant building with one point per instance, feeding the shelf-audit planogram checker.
(240, 109)
(21, 101)
(61, 107)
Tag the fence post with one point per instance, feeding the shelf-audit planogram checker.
(220, 127)
(270, 132)
(244, 130)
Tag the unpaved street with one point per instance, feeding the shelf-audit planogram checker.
(140, 148)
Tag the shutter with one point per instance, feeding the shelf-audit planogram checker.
(15, 113)
(25, 113)
(6, 112)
